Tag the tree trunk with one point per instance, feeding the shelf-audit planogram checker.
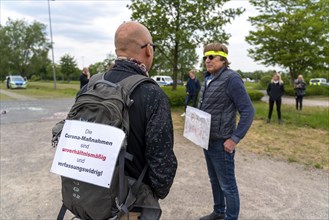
(292, 77)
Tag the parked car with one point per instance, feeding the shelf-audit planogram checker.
(180, 82)
(319, 82)
(163, 80)
(16, 81)
(248, 80)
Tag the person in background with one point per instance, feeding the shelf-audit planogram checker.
(8, 81)
(275, 91)
(223, 95)
(192, 89)
(300, 91)
(84, 77)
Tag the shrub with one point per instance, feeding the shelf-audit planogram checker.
(289, 90)
(35, 78)
(317, 90)
(177, 98)
(255, 95)
(264, 81)
(310, 90)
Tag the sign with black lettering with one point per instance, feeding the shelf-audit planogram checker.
(88, 152)
(197, 126)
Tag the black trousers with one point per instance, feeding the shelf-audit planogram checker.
(278, 108)
(191, 98)
(299, 101)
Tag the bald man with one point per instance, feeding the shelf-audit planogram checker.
(150, 138)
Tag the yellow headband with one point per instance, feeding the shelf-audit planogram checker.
(218, 53)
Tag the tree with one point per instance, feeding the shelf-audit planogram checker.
(23, 47)
(103, 66)
(293, 34)
(178, 26)
(69, 68)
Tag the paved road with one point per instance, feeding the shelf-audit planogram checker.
(291, 101)
(33, 110)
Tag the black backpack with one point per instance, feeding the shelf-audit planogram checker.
(106, 103)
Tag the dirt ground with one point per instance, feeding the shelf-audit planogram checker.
(269, 189)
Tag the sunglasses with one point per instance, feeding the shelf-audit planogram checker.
(145, 45)
(211, 57)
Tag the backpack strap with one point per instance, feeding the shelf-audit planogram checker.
(131, 82)
(132, 194)
(61, 213)
(94, 79)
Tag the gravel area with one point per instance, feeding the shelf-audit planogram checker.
(269, 189)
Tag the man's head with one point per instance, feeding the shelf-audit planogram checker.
(133, 40)
(215, 57)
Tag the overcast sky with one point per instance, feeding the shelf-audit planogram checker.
(85, 29)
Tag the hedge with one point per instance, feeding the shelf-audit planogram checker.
(177, 98)
(255, 95)
(310, 90)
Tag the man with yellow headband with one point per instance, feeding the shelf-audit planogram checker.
(223, 95)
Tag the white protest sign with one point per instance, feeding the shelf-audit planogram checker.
(197, 126)
(88, 152)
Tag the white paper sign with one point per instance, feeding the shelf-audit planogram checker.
(197, 126)
(88, 152)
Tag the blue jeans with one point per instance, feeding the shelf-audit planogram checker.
(220, 166)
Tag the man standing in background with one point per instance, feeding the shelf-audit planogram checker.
(192, 89)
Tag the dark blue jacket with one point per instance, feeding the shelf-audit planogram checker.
(193, 86)
(223, 97)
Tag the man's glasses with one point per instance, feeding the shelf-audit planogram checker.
(145, 45)
(211, 57)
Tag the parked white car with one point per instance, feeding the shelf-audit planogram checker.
(248, 80)
(163, 80)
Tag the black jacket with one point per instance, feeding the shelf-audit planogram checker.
(300, 87)
(151, 132)
(83, 80)
(275, 91)
(193, 86)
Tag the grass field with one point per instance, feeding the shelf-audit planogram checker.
(45, 90)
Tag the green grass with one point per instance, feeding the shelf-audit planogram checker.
(313, 117)
(45, 90)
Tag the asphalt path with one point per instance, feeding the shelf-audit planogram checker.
(289, 100)
(19, 111)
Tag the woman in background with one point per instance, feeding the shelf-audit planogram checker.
(300, 87)
(275, 91)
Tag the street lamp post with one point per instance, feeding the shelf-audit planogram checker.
(52, 46)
